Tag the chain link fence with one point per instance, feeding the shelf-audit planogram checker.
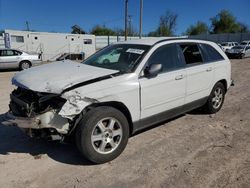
(226, 37)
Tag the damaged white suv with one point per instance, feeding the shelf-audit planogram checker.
(102, 103)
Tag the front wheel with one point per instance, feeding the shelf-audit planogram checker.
(102, 134)
(215, 99)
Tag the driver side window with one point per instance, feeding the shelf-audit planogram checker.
(167, 56)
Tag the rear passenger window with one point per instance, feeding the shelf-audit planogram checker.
(7, 53)
(167, 56)
(211, 54)
(191, 53)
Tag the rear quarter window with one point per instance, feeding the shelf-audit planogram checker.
(210, 54)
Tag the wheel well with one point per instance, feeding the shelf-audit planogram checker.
(24, 61)
(119, 106)
(224, 82)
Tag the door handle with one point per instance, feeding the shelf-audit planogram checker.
(179, 77)
(209, 69)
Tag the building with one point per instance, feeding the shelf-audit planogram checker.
(49, 45)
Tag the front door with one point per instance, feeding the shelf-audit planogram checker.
(166, 90)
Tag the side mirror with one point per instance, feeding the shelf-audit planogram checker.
(153, 70)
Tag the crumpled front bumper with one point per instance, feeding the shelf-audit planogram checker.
(48, 119)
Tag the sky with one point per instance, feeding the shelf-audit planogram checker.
(60, 15)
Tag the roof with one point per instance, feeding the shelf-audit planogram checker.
(153, 41)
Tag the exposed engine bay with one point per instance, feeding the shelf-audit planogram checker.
(37, 113)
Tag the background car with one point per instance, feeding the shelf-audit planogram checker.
(112, 57)
(11, 58)
(245, 42)
(239, 52)
(228, 45)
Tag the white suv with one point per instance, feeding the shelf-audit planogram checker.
(102, 103)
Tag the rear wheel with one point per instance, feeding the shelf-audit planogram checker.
(102, 134)
(24, 65)
(216, 99)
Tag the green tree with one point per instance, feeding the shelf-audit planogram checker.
(244, 28)
(167, 25)
(198, 28)
(225, 22)
(76, 29)
(102, 30)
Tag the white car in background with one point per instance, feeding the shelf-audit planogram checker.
(228, 45)
(245, 43)
(240, 51)
(111, 57)
(103, 104)
(11, 58)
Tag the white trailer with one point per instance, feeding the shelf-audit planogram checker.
(50, 45)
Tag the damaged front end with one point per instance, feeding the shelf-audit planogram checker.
(37, 113)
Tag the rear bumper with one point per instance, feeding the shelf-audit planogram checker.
(36, 62)
(48, 119)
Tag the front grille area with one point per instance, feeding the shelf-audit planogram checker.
(27, 103)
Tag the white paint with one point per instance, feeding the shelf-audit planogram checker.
(143, 97)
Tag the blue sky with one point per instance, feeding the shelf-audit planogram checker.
(60, 15)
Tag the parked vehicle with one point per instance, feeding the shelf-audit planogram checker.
(112, 57)
(103, 104)
(71, 56)
(239, 52)
(228, 45)
(245, 42)
(11, 58)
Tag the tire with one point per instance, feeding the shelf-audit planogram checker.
(95, 138)
(24, 65)
(215, 99)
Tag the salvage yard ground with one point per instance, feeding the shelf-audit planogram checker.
(194, 150)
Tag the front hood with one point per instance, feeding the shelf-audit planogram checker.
(58, 76)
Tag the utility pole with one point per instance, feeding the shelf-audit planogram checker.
(27, 26)
(141, 13)
(126, 19)
(130, 25)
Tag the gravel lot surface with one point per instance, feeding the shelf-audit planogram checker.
(194, 150)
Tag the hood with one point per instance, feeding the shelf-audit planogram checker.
(58, 76)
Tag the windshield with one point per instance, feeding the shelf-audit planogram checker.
(243, 43)
(224, 44)
(122, 57)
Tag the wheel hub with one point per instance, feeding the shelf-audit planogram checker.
(106, 135)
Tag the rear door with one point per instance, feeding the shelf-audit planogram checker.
(199, 73)
(167, 90)
(9, 58)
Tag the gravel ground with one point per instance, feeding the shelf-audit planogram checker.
(193, 150)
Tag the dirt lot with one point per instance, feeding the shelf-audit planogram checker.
(194, 150)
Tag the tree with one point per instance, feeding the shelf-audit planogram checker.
(167, 25)
(198, 28)
(119, 31)
(102, 30)
(244, 28)
(76, 29)
(225, 22)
